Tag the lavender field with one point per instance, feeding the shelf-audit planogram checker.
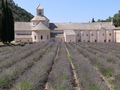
(60, 66)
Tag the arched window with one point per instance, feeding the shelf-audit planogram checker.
(41, 37)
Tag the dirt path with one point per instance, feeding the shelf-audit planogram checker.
(108, 84)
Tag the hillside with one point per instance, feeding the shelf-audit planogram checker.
(18, 13)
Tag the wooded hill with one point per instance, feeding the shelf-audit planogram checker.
(18, 13)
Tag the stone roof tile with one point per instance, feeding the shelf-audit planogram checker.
(22, 26)
(40, 26)
(75, 26)
(39, 18)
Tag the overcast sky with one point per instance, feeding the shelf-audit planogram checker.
(72, 10)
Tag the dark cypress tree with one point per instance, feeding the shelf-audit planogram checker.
(11, 28)
(93, 20)
(7, 33)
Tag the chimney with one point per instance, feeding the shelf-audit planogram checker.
(100, 26)
(119, 12)
(111, 21)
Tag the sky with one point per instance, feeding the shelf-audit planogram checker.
(72, 10)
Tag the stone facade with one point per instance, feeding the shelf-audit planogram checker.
(41, 30)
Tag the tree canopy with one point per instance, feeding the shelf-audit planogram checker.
(116, 19)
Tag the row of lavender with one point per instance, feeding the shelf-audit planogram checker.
(48, 66)
(61, 76)
(89, 78)
(18, 56)
(107, 64)
(10, 51)
(110, 48)
(36, 77)
(20, 63)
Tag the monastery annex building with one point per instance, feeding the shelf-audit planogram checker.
(41, 30)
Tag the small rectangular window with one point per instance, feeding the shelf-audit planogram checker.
(35, 37)
(41, 37)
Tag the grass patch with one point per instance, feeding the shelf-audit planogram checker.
(117, 78)
(25, 85)
(97, 55)
(88, 59)
(95, 86)
(111, 53)
(63, 77)
(111, 61)
(3, 82)
(56, 54)
(97, 65)
(58, 87)
(70, 56)
(107, 72)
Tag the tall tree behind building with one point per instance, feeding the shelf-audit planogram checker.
(93, 20)
(116, 19)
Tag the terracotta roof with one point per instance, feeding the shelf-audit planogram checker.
(39, 18)
(22, 26)
(40, 26)
(78, 26)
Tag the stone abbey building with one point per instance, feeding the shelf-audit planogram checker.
(39, 29)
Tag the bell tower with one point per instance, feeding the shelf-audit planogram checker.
(40, 10)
